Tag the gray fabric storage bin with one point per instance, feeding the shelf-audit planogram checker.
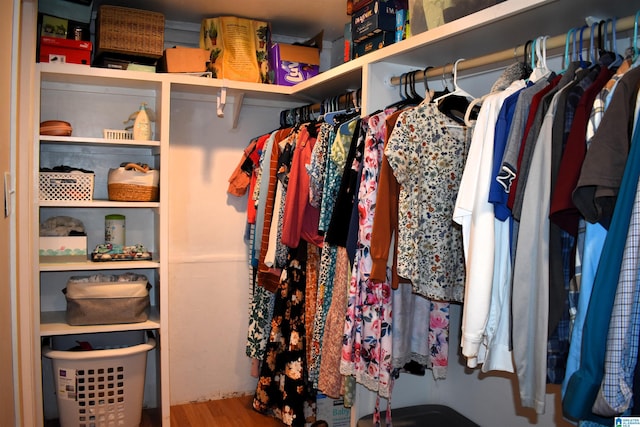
(107, 299)
(421, 416)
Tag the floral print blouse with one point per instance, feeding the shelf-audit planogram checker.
(426, 151)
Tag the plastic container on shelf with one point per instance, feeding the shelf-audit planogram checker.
(117, 134)
(65, 186)
(104, 386)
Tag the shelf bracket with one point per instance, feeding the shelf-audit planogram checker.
(221, 101)
(237, 107)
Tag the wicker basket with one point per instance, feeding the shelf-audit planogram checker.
(133, 193)
(130, 185)
(129, 31)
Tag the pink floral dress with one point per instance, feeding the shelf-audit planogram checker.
(367, 344)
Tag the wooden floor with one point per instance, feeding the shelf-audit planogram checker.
(234, 412)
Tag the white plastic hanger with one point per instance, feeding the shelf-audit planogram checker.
(541, 70)
(457, 90)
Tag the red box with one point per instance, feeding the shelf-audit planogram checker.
(53, 49)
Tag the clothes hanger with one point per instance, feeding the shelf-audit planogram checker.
(475, 103)
(457, 90)
(430, 94)
(454, 104)
(414, 94)
(527, 49)
(583, 63)
(330, 108)
(541, 70)
(613, 42)
(597, 54)
(445, 84)
(405, 100)
(566, 59)
(594, 53)
(341, 115)
(357, 99)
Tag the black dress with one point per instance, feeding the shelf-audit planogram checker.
(283, 390)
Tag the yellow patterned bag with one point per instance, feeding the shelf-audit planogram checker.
(238, 48)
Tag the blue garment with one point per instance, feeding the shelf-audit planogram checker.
(584, 384)
(498, 194)
(595, 235)
(622, 343)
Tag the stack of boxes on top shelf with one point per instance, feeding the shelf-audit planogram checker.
(133, 39)
(63, 32)
(378, 23)
(375, 24)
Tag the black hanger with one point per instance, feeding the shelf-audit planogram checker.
(414, 94)
(405, 101)
(452, 105)
(425, 80)
(426, 85)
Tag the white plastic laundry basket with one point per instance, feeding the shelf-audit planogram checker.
(101, 387)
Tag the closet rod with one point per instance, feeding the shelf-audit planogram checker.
(622, 24)
(344, 100)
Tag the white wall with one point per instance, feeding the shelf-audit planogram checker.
(209, 288)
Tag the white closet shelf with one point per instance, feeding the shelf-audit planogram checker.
(78, 74)
(90, 265)
(467, 37)
(79, 140)
(54, 323)
(95, 204)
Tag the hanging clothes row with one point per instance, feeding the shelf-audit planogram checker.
(312, 204)
(363, 229)
(534, 206)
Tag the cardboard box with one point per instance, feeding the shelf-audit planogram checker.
(461, 8)
(374, 43)
(184, 60)
(292, 64)
(425, 16)
(359, 4)
(373, 18)
(63, 248)
(53, 49)
(332, 411)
